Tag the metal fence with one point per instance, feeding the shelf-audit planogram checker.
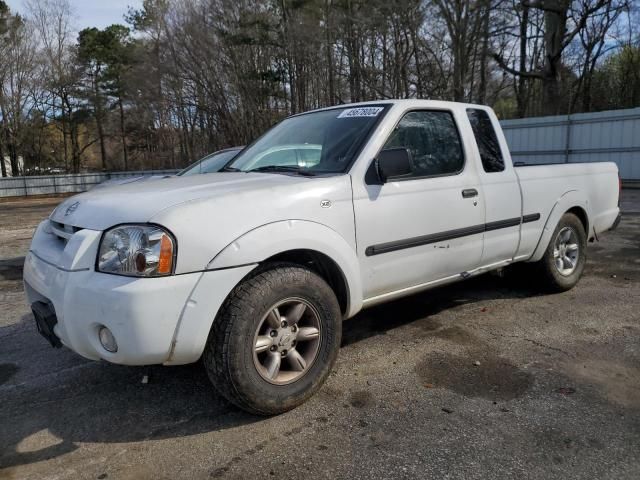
(612, 136)
(72, 183)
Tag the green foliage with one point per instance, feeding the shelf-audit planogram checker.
(505, 107)
(106, 54)
(109, 47)
(620, 73)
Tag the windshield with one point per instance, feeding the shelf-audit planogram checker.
(318, 142)
(209, 164)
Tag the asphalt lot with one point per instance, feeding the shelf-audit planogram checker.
(556, 393)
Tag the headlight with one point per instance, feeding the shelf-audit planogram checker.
(137, 251)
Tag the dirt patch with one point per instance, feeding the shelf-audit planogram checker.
(495, 378)
(11, 269)
(361, 399)
(7, 370)
(617, 382)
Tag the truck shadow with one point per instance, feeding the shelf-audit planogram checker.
(52, 400)
(420, 307)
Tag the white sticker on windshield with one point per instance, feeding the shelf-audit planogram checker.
(360, 112)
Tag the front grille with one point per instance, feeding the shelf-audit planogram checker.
(63, 231)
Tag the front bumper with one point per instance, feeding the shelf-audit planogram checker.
(154, 320)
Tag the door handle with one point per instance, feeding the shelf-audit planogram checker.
(469, 192)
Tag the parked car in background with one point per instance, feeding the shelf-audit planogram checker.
(254, 269)
(208, 164)
(304, 155)
(213, 162)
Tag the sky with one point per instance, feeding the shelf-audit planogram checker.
(91, 13)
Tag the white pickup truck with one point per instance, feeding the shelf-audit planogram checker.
(253, 269)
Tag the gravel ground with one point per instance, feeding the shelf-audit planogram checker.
(483, 379)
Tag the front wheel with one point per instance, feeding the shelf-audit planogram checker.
(274, 340)
(564, 260)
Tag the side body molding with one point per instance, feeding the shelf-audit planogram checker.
(277, 237)
(567, 201)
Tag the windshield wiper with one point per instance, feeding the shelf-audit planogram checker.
(283, 169)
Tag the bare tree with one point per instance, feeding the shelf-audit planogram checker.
(198, 75)
(18, 51)
(563, 21)
(53, 22)
(593, 40)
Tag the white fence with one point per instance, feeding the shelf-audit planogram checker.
(612, 136)
(72, 183)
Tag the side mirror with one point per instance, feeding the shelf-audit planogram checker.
(392, 163)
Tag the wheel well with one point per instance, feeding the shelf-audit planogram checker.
(582, 216)
(322, 265)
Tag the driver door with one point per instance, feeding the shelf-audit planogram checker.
(425, 226)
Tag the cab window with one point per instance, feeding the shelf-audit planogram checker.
(433, 142)
(487, 140)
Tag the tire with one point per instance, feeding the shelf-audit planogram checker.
(240, 361)
(563, 262)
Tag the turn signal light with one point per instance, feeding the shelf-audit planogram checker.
(166, 255)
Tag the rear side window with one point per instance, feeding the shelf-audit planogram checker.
(432, 139)
(487, 140)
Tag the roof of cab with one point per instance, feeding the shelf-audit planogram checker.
(408, 102)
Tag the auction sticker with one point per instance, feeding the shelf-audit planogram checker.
(360, 112)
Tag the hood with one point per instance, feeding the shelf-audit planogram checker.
(102, 208)
(206, 213)
(126, 180)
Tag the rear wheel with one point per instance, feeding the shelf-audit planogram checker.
(563, 262)
(274, 340)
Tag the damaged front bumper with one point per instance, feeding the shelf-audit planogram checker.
(616, 222)
(163, 320)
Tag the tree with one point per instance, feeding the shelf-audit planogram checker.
(464, 20)
(593, 39)
(620, 73)
(52, 22)
(17, 49)
(4, 17)
(105, 55)
(199, 75)
(563, 21)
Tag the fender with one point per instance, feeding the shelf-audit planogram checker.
(271, 239)
(567, 201)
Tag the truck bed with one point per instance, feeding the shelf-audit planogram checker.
(545, 187)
